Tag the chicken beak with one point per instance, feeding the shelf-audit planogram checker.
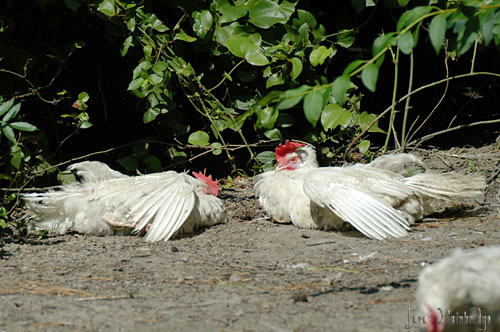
(280, 167)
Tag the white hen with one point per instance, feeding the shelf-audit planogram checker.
(377, 202)
(106, 202)
(462, 292)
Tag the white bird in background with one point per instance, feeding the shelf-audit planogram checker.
(378, 202)
(465, 283)
(106, 202)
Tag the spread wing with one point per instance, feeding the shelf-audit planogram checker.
(352, 196)
(161, 201)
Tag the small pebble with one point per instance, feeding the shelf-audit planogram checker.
(174, 249)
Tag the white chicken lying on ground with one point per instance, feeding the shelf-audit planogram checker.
(377, 202)
(106, 202)
(462, 292)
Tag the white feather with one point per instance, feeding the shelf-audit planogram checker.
(464, 280)
(379, 203)
(107, 202)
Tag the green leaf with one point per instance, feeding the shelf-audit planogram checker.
(340, 87)
(83, 96)
(437, 31)
(274, 79)
(131, 24)
(66, 177)
(269, 98)
(247, 47)
(126, 45)
(359, 5)
(292, 97)
(199, 138)
(257, 58)
(334, 115)
(411, 16)
(266, 117)
(9, 133)
(155, 79)
(313, 105)
(353, 66)
(84, 125)
(382, 42)
(129, 163)
(150, 115)
(181, 35)
(135, 84)
(107, 7)
(346, 38)
(296, 67)
(467, 36)
(202, 22)
(23, 126)
(73, 4)
(405, 42)
(231, 13)
(217, 151)
(266, 157)
(488, 19)
(363, 146)
(307, 17)
(364, 119)
(12, 112)
(304, 33)
(4, 107)
(266, 13)
(369, 76)
(160, 68)
(273, 134)
(153, 162)
(222, 33)
(17, 156)
(319, 55)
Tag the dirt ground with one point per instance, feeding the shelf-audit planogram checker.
(246, 275)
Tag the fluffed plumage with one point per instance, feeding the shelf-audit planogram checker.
(463, 282)
(377, 202)
(106, 202)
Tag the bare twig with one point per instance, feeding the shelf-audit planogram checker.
(417, 142)
(446, 56)
(407, 104)
(381, 115)
(393, 103)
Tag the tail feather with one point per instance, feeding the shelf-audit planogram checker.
(65, 210)
(448, 186)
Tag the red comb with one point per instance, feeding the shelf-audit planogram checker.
(282, 150)
(213, 185)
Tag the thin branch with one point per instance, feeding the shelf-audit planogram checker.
(407, 104)
(417, 142)
(393, 103)
(381, 115)
(34, 89)
(440, 100)
(230, 147)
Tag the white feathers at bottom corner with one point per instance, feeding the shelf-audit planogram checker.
(466, 280)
